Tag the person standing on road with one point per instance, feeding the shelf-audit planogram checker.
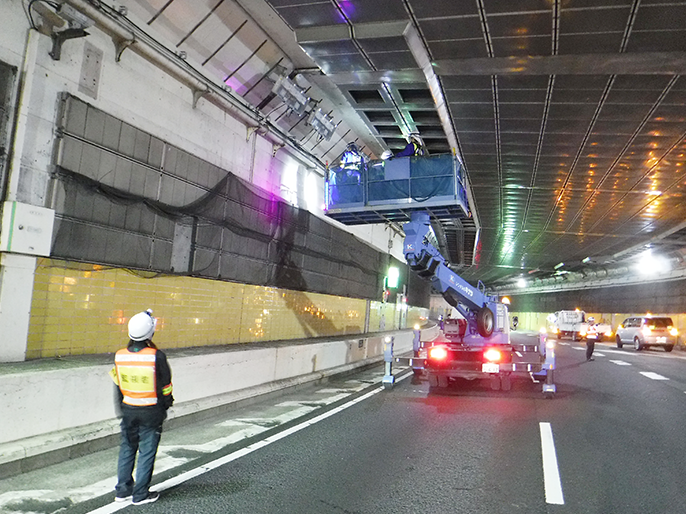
(591, 336)
(143, 395)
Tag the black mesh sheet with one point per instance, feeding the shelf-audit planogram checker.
(178, 214)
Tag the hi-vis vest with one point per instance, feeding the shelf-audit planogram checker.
(134, 373)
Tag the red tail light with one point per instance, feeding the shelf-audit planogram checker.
(438, 353)
(493, 355)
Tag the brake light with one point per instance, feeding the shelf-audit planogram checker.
(438, 353)
(582, 333)
(646, 331)
(492, 355)
(673, 331)
(608, 333)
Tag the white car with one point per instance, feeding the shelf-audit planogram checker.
(646, 331)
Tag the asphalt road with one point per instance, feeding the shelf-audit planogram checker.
(611, 440)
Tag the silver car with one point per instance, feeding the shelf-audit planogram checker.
(647, 331)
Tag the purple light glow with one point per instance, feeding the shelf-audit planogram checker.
(347, 8)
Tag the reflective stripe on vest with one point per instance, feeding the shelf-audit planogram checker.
(136, 376)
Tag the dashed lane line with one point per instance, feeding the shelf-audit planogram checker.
(551, 472)
(653, 376)
(620, 363)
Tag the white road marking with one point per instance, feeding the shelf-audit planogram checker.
(578, 348)
(653, 376)
(599, 354)
(620, 363)
(551, 473)
(519, 354)
(183, 477)
(564, 344)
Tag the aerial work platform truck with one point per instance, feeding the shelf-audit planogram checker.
(416, 191)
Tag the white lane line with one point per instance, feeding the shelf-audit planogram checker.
(578, 348)
(564, 344)
(551, 473)
(183, 477)
(653, 376)
(598, 354)
(620, 363)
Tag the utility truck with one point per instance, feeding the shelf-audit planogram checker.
(419, 191)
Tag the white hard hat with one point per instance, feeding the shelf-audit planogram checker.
(142, 326)
(386, 155)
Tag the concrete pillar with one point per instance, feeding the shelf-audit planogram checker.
(16, 291)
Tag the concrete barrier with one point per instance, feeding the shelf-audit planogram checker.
(56, 410)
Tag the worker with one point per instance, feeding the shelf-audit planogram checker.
(415, 148)
(515, 322)
(143, 395)
(351, 164)
(591, 335)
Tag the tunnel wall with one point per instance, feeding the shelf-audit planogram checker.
(83, 308)
(610, 304)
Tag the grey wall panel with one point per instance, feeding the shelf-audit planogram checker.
(161, 254)
(209, 236)
(75, 118)
(122, 207)
(164, 228)
(112, 132)
(95, 126)
(206, 262)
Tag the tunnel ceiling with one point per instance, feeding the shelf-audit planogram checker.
(569, 115)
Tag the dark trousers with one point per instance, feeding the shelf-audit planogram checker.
(590, 345)
(141, 429)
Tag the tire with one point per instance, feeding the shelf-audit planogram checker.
(637, 344)
(669, 347)
(495, 382)
(442, 381)
(574, 336)
(433, 380)
(619, 342)
(485, 321)
(559, 336)
(505, 382)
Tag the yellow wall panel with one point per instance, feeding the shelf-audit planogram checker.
(82, 308)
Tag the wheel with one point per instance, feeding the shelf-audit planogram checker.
(637, 344)
(574, 336)
(505, 382)
(619, 342)
(433, 380)
(442, 381)
(669, 348)
(495, 382)
(485, 321)
(559, 336)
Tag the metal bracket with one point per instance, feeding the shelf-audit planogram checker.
(120, 45)
(60, 37)
(250, 131)
(276, 147)
(198, 94)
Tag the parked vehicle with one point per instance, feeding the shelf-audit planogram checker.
(646, 331)
(569, 323)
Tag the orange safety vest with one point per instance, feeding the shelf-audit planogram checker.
(135, 376)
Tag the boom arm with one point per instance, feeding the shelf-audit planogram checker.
(423, 257)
